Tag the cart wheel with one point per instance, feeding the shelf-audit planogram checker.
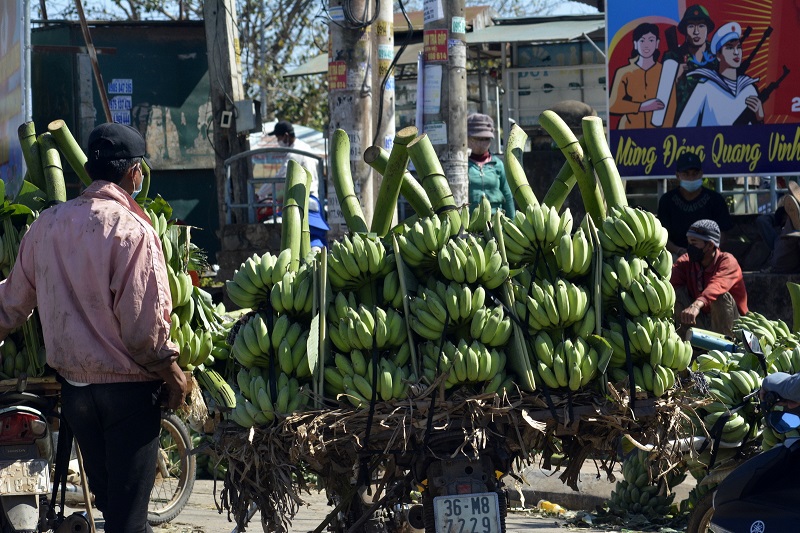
(703, 512)
(175, 471)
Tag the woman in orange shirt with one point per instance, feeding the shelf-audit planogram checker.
(633, 93)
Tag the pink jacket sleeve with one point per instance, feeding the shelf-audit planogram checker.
(18, 292)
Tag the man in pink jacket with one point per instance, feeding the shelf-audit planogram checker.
(94, 268)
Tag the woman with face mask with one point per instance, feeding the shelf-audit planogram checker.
(487, 174)
(690, 202)
(709, 286)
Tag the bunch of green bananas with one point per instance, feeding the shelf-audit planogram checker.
(9, 245)
(714, 360)
(727, 390)
(255, 344)
(352, 376)
(221, 350)
(14, 360)
(195, 344)
(465, 363)
(255, 405)
(770, 439)
(650, 340)
(656, 379)
(360, 328)
(537, 229)
(490, 326)
(391, 290)
(421, 241)
(217, 388)
(293, 294)
(573, 254)
(252, 282)
(632, 229)
(636, 493)
(356, 260)
(620, 272)
(544, 305)
(180, 286)
(570, 363)
(477, 219)
(784, 360)
(438, 308)
(769, 332)
(469, 260)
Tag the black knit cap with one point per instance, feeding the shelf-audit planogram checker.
(695, 13)
(112, 141)
(705, 230)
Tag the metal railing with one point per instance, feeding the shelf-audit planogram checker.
(251, 203)
(745, 197)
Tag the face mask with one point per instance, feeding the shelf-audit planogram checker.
(283, 143)
(692, 185)
(695, 254)
(138, 189)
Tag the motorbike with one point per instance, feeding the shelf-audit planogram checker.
(761, 495)
(26, 458)
(461, 491)
(757, 493)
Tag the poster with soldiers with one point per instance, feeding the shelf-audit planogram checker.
(12, 93)
(718, 78)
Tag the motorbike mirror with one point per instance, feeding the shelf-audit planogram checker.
(783, 421)
(751, 342)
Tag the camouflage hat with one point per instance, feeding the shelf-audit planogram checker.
(695, 13)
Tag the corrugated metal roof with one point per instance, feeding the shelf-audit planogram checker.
(554, 29)
(550, 31)
(319, 64)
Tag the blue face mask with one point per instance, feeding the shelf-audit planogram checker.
(692, 185)
(138, 189)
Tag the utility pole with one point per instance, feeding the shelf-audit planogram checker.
(350, 92)
(225, 77)
(383, 116)
(445, 98)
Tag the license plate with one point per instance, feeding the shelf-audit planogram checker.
(467, 513)
(24, 477)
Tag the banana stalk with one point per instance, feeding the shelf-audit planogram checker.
(53, 171)
(343, 182)
(581, 167)
(292, 218)
(71, 150)
(794, 294)
(31, 153)
(305, 241)
(515, 174)
(145, 182)
(560, 188)
(429, 168)
(517, 350)
(389, 193)
(401, 270)
(603, 162)
(410, 188)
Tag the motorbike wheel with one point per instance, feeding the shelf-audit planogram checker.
(700, 518)
(175, 472)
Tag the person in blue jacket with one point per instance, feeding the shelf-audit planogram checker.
(487, 174)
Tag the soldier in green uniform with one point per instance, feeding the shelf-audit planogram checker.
(696, 26)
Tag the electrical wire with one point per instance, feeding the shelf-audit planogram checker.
(355, 23)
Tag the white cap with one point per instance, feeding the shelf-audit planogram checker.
(726, 32)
